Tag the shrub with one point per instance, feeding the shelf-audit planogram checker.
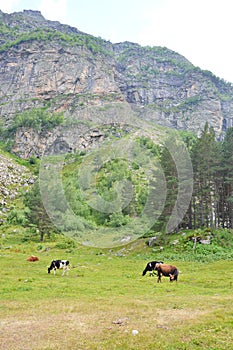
(66, 244)
(17, 217)
(118, 219)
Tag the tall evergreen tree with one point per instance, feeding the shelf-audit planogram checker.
(37, 214)
(170, 172)
(205, 160)
(227, 157)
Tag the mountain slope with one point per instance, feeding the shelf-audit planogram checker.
(45, 64)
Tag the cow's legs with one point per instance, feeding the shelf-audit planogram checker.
(65, 270)
(159, 277)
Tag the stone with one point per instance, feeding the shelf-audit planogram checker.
(152, 241)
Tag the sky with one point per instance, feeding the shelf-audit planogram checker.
(200, 30)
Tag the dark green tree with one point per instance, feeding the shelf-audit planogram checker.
(170, 173)
(37, 214)
(227, 185)
(205, 158)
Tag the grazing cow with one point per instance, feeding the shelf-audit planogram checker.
(32, 258)
(151, 267)
(59, 264)
(168, 271)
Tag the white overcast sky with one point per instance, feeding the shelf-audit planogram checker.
(200, 30)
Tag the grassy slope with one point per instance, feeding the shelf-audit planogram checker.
(105, 297)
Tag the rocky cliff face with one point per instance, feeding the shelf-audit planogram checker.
(92, 81)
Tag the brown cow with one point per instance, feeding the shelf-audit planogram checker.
(32, 258)
(167, 271)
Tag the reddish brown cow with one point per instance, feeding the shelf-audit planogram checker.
(167, 271)
(32, 258)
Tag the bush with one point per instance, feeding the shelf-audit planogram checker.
(17, 217)
(66, 244)
(118, 219)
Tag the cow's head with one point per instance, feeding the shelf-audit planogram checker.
(172, 277)
(148, 267)
(157, 265)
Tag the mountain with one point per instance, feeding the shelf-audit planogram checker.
(49, 67)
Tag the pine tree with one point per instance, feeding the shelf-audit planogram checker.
(37, 214)
(205, 165)
(227, 200)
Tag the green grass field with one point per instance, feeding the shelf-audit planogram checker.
(105, 298)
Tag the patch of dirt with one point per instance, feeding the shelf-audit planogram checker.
(43, 332)
(63, 327)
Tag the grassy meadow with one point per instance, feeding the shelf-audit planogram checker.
(104, 299)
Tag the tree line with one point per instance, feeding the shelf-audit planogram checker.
(211, 203)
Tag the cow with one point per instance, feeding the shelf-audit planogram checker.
(151, 267)
(167, 271)
(32, 258)
(59, 264)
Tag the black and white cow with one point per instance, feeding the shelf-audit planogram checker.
(151, 267)
(59, 264)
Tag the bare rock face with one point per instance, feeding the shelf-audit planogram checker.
(62, 140)
(34, 73)
(89, 80)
